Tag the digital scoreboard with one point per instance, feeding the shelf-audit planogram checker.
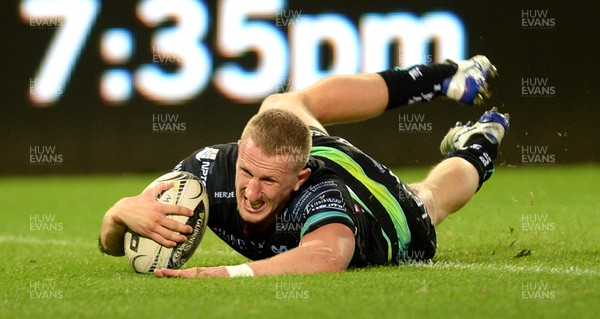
(196, 46)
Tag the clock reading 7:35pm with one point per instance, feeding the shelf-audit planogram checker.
(287, 44)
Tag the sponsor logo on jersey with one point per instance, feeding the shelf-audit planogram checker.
(224, 194)
(207, 153)
(331, 199)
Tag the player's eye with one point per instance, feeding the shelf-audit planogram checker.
(245, 172)
(269, 181)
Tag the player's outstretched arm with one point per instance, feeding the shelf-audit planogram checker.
(145, 216)
(327, 249)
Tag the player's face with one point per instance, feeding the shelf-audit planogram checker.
(263, 184)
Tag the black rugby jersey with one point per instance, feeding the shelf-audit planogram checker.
(321, 200)
(346, 186)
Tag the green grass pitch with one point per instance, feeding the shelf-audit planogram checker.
(527, 246)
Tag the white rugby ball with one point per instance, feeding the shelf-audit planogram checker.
(144, 254)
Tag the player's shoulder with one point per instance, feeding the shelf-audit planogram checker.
(324, 190)
(210, 160)
(322, 200)
(217, 152)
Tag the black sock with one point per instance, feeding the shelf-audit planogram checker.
(419, 83)
(480, 152)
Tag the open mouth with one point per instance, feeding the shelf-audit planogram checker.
(254, 206)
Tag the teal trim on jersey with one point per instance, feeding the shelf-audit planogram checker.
(488, 173)
(322, 216)
(387, 239)
(380, 192)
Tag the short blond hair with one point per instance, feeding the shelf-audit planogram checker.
(280, 133)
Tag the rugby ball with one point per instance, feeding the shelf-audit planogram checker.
(144, 254)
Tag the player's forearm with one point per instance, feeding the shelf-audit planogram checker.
(112, 235)
(346, 98)
(301, 260)
(329, 248)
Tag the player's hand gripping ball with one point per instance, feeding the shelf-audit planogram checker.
(144, 254)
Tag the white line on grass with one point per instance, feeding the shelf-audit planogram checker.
(572, 270)
(44, 241)
(85, 243)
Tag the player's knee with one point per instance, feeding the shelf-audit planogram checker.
(269, 102)
(295, 103)
(279, 101)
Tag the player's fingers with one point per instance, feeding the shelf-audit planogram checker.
(182, 273)
(193, 272)
(170, 209)
(162, 240)
(176, 226)
(165, 272)
(155, 190)
(166, 237)
(170, 235)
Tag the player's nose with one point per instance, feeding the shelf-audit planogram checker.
(253, 191)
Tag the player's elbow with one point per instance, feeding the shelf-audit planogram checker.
(330, 260)
(338, 263)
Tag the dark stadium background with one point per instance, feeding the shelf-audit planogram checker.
(92, 137)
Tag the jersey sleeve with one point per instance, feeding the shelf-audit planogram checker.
(325, 203)
(214, 165)
(199, 162)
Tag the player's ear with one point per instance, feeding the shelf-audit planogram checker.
(303, 175)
